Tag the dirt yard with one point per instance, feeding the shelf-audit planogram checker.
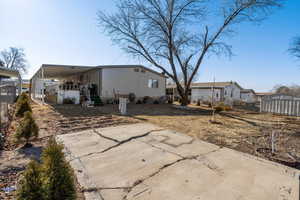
(242, 130)
(51, 121)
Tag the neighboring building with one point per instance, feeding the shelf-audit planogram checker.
(260, 95)
(25, 85)
(221, 91)
(248, 95)
(6, 75)
(104, 81)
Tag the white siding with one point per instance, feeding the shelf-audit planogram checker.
(248, 97)
(126, 80)
(205, 94)
(232, 92)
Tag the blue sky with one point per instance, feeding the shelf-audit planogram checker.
(66, 32)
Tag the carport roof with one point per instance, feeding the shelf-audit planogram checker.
(59, 71)
(52, 71)
(6, 73)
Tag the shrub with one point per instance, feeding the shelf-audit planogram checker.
(59, 178)
(146, 99)
(30, 186)
(139, 102)
(155, 102)
(97, 101)
(222, 107)
(2, 141)
(22, 105)
(131, 97)
(22, 97)
(68, 101)
(170, 101)
(27, 128)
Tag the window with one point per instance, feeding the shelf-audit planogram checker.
(152, 83)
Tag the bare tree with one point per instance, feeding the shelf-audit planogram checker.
(293, 90)
(14, 58)
(295, 48)
(176, 35)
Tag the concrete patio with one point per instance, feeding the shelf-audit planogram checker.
(146, 162)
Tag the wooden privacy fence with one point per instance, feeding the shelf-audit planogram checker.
(281, 106)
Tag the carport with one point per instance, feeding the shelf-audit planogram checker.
(60, 73)
(9, 73)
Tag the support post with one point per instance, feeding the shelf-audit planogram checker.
(43, 86)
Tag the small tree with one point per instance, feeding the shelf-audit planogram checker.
(22, 105)
(30, 186)
(59, 177)
(27, 129)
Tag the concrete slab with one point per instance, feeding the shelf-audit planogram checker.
(125, 132)
(144, 162)
(182, 145)
(123, 166)
(84, 142)
(225, 174)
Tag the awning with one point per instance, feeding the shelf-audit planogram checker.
(7, 73)
(61, 71)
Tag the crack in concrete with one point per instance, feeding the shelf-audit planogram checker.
(105, 137)
(85, 175)
(95, 189)
(121, 142)
(138, 182)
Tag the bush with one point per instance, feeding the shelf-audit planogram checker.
(139, 102)
(170, 101)
(146, 99)
(68, 101)
(27, 128)
(22, 97)
(22, 105)
(131, 97)
(222, 107)
(2, 141)
(59, 177)
(97, 101)
(30, 186)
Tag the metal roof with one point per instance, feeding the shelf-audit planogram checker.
(6, 73)
(60, 71)
(209, 85)
(247, 91)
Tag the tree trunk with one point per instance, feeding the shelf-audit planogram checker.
(184, 99)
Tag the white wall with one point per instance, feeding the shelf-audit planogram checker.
(248, 97)
(232, 92)
(205, 94)
(126, 80)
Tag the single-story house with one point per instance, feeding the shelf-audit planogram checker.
(106, 81)
(260, 95)
(5, 76)
(248, 95)
(220, 91)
